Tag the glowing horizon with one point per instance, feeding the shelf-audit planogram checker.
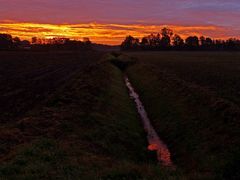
(109, 21)
(112, 34)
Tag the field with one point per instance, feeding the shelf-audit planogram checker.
(27, 78)
(82, 126)
(193, 102)
(68, 115)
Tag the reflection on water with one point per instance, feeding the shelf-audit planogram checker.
(155, 143)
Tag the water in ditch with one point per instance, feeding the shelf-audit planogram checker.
(155, 143)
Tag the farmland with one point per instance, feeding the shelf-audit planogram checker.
(193, 102)
(68, 115)
(27, 78)
(84, 126)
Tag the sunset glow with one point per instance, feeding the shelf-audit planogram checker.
(110, 21)
(103, 33)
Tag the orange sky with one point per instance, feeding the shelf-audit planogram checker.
(115, 19)
(102, 32)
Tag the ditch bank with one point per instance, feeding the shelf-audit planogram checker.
(155, 144)
(199, 127)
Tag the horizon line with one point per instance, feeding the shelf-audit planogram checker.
(107, 33)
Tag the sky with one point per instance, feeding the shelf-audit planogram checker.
(109, 21)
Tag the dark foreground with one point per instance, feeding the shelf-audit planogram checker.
(68, 115)
(193, 102)
(27, 78)
(85, 127)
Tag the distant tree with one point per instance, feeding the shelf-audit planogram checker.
(166, 37)
(209, 41)
(144, 43)
(202, 40)
(166, 32)
(154, 41)
(136, 43)
(178, 42)
(219, 44)
(233, 44)
(6, 41)
(165, 42)
(206, 43)
(130, 43)
(86, 39)
(34, 40)
(192, 42)
(16, 42)
(59, 40)
(87, 42)
(25, 43)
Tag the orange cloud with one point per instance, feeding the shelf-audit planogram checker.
(103, 33)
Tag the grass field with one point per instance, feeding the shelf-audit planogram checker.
(86, 128)
(193, 101)
(27, 78)
(218, 71)
(68, 115)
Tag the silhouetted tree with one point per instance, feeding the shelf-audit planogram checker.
(166, 32)
(25, 44)
(130, 43)
(87, 42)
(6, 41)
(219, 45)
(206, 43)
(16, 42)
(145, 43)
(202, 40)
(233, 44)
(165, 42)
(192, 42)
(166, 38)
(178, 42)
(86, 39)
(209, 41)
(34, 40)
(59, 40)
(154, 41)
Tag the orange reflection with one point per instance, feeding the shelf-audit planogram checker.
(153, 147)
(163, 154)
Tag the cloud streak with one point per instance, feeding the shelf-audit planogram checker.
(119, 18)
(184, 12)
(103, 32)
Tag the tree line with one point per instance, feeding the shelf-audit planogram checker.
(7, 42)
(167, 40)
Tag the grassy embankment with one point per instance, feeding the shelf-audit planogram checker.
(190, 99)
(88, 129)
